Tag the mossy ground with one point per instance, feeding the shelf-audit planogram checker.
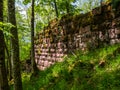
(93, 70)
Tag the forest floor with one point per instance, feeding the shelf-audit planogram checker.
(92, 70)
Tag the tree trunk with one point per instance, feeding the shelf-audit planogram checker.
(34, 67)
(8, 63)
(3, 74)
(14, 46)
(56, 9)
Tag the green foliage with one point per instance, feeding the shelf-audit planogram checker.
(5, 27)
(115, 3)
(82, 71)
(26, 1)
(87, 5)
(92, 70)
(23, 25)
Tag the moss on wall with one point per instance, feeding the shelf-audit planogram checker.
(76, 32)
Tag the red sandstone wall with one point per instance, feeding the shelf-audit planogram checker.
(80, 32)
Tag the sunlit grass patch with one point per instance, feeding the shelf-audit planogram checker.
(93, 70)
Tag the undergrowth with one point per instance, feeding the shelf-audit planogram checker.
(93, 70)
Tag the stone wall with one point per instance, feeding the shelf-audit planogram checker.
(81, 32)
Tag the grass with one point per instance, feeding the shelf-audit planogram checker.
(93, 70)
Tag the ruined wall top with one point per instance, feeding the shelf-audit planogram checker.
(76, 32)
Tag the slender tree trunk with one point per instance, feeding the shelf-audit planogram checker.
(34, 67)
(56, 9)
(14, 46)
(8, 62)
(3, 74)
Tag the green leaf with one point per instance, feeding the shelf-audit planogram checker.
(26, 2)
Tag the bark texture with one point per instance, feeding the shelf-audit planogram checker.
(14, 46)
(34, 67)
(3, 74)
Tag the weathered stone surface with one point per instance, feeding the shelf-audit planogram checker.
(80, 32)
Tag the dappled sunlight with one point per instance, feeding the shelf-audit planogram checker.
(76, 72)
